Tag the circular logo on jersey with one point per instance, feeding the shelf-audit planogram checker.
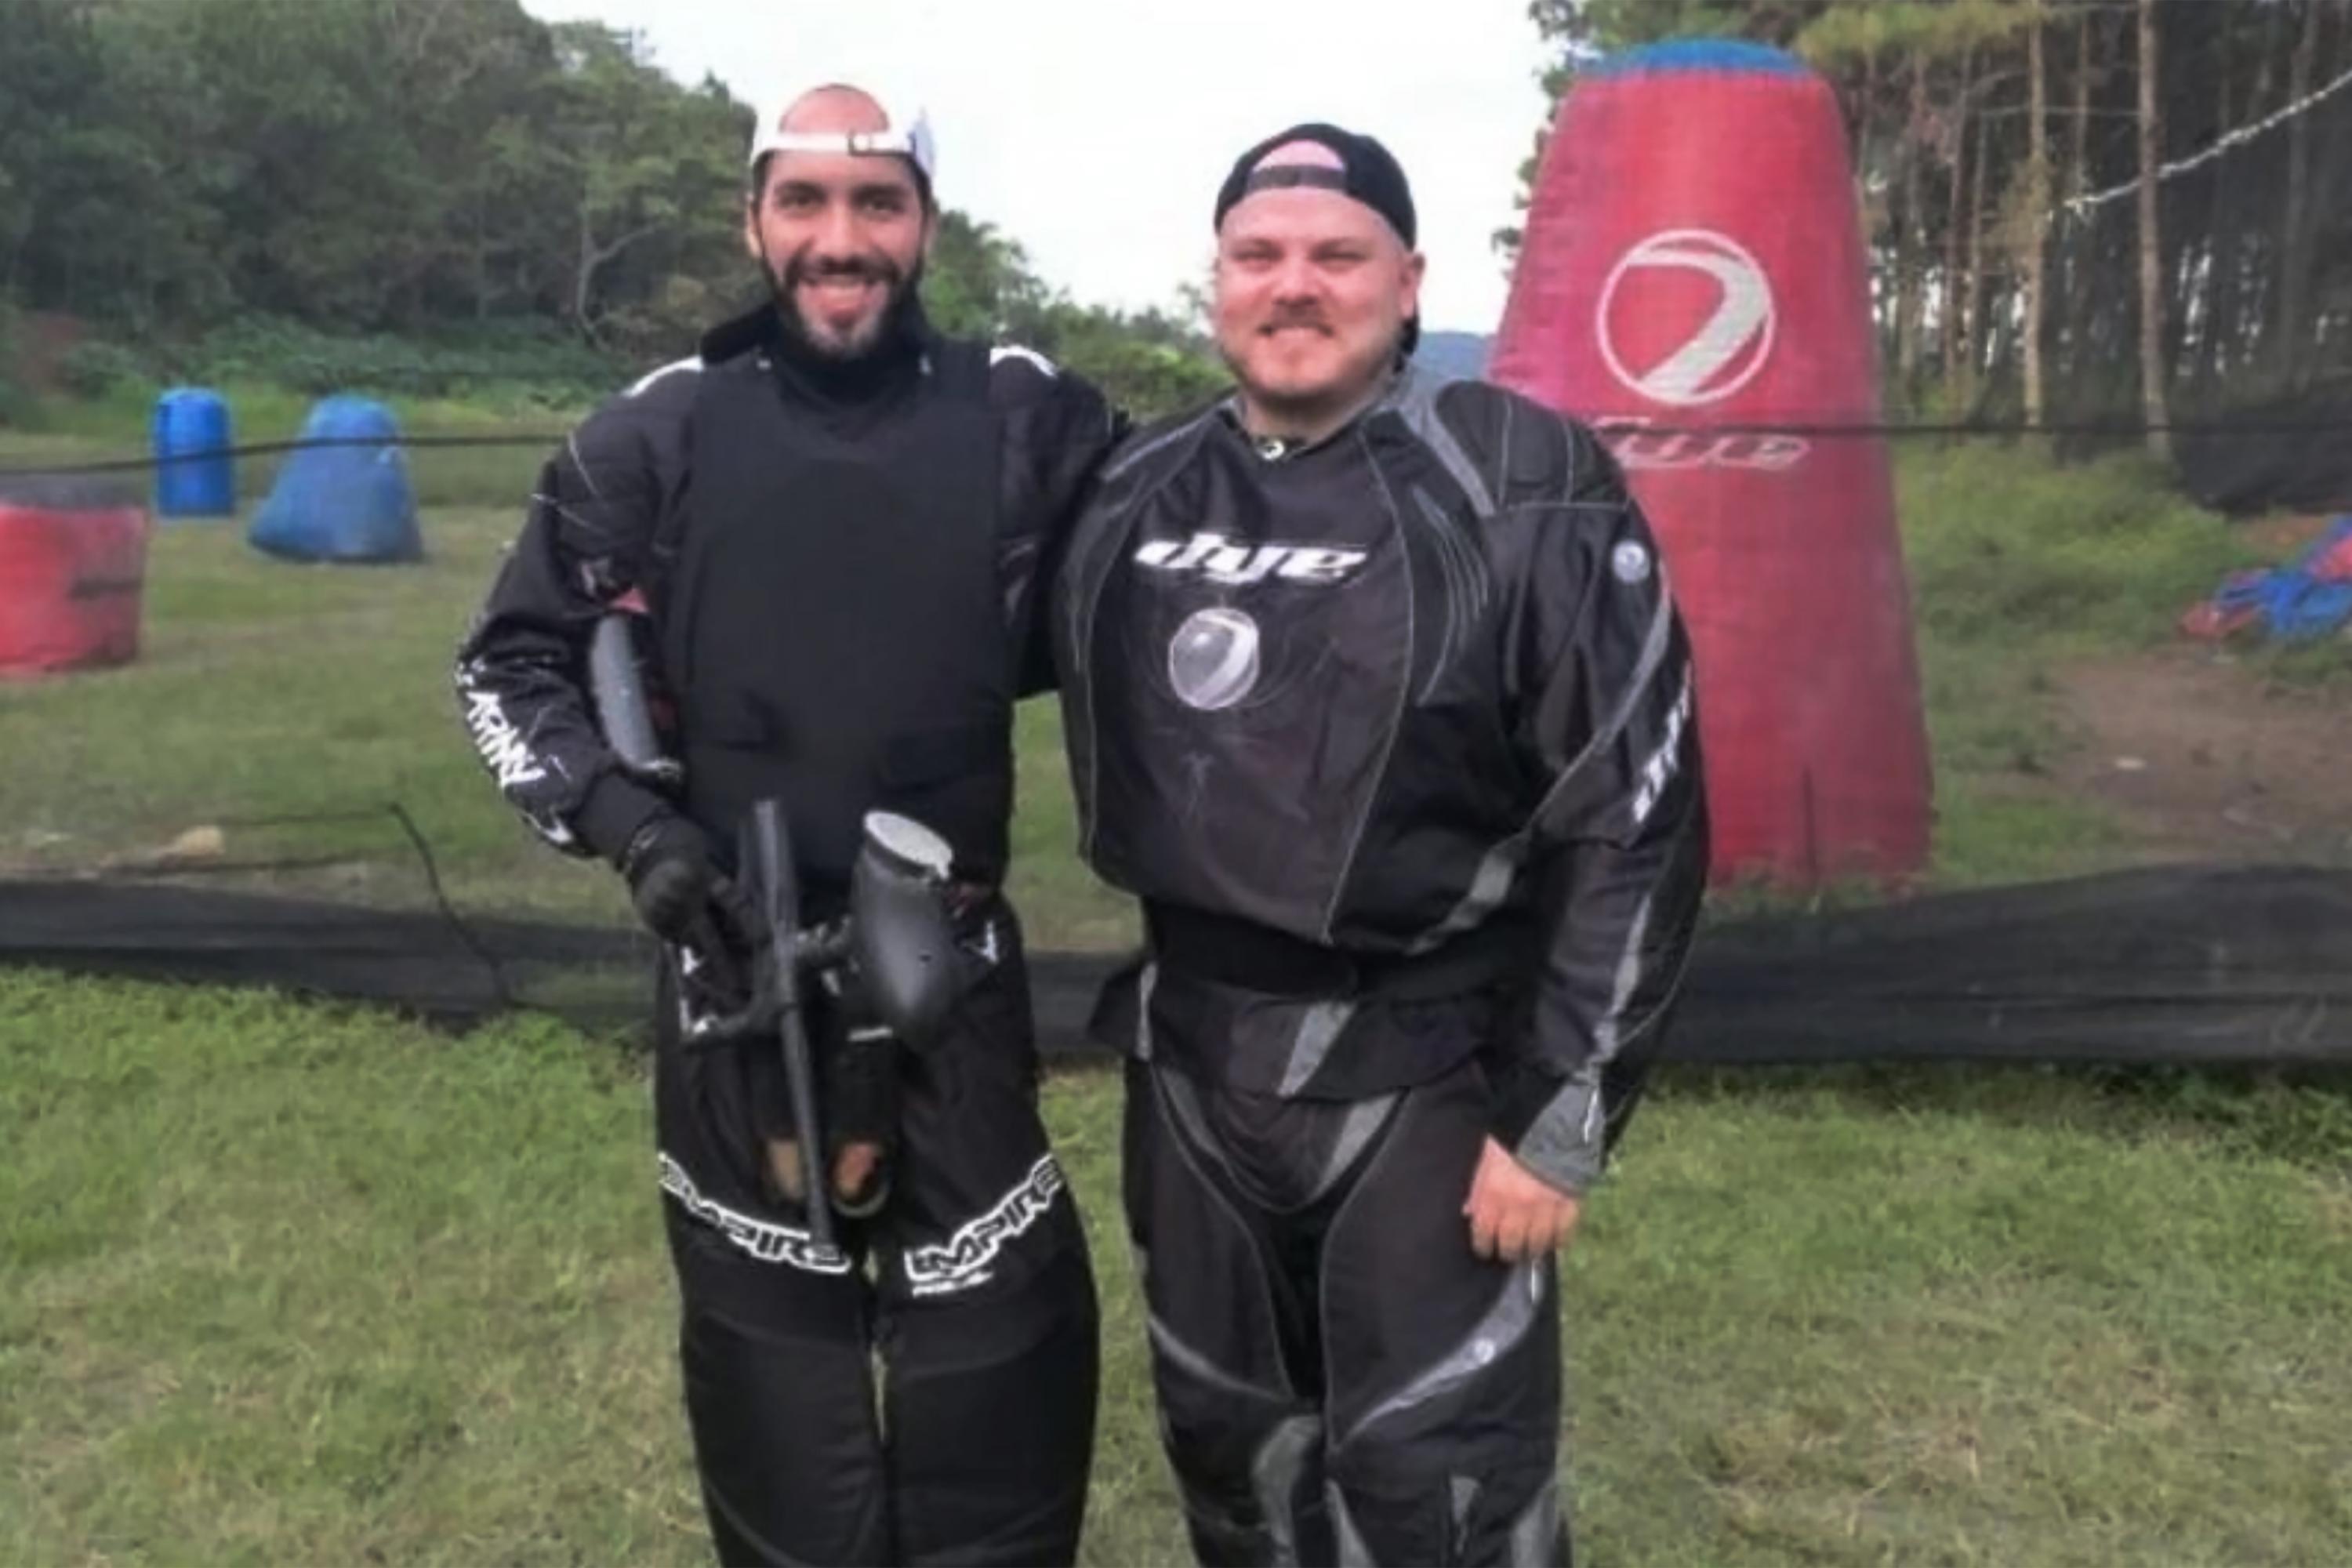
(1213, 658)
(1685, 318)
(1630, 562)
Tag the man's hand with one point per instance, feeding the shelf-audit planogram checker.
(1515, 1213)
(671, 876)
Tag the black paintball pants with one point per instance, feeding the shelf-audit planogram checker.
(925, 1393)
(1340, 1378)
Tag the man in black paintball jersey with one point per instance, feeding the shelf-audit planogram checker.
(833, 519)
(1376, 697)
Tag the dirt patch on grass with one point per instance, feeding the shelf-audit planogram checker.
(2201, 757)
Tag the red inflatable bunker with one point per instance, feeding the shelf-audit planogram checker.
(1692, 270)
(72, 564)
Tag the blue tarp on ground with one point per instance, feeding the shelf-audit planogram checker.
(347, 498)
(2308, 597)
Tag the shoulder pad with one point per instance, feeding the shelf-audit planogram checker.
(1169, 435)
(1022, 381)
(692, 362)
(638, 429)
(1023, 378)
(1526, 452)
(1014, 353)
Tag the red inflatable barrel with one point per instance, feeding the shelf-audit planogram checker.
(72, 565)
(1692, 270)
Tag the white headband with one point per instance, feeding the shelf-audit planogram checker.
(909, 134)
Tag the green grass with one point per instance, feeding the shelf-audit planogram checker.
(265, 688)
(295, 1284)
(2004, 546)
(1943, 1334)
(2016, 567)
(268, 689)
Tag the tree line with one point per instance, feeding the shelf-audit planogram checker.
(427, 167)
(2025, 262)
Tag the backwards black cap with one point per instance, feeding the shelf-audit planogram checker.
(1368, 172)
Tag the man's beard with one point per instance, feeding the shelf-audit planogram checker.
(869, 336)
(1357, 384)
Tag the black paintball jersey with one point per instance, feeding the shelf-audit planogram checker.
(845, 564)
(1403, 715)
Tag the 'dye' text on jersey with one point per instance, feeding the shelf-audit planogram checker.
(1264, 631)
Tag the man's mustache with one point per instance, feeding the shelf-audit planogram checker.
(859, 268)
(1296, 316)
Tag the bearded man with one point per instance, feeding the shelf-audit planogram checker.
(835, 520)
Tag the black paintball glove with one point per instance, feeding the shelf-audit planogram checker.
(671, 876)
(716, 935)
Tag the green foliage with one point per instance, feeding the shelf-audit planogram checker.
(278, 363)
(514, 354)
(95, 368)
(2006, 548)
(1148, 365)
(979, 283)
(13, 395)
(355, 165)
(650, 177)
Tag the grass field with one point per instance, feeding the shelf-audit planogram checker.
(290, 1283)
(268, 692)
(296, 1284)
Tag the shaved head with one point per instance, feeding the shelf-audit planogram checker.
(834, 108)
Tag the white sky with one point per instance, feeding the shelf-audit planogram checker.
(1095, 132)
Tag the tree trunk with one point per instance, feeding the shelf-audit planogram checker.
(2079, 165)
(2078, 252)
(1911, 241)
(1955, 218)
(2151, 252)
(2037, 201)
(2254, 289)
(593, 258)
(2293, 323)
(583, 270)
(1975, 334)
(1878, 227)
(2211, 361)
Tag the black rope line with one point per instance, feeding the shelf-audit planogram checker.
(466, 933)
(1605, 423)
(269, 449)
(433, 880)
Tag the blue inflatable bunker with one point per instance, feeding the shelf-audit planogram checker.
(195, 474)
(347, 497)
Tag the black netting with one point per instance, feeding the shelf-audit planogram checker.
(2185, 967)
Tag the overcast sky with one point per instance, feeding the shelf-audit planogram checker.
(1095, 132)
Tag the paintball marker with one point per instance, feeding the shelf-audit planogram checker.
(896, 943)
(895, 949)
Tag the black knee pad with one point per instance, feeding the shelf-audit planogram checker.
(990, 1406)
